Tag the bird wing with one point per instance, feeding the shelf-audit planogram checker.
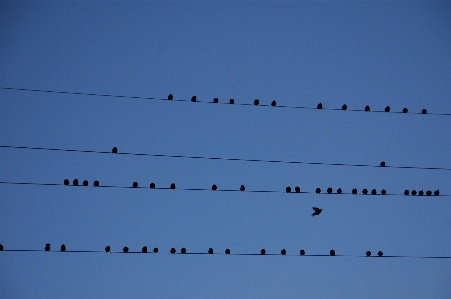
(315, 209)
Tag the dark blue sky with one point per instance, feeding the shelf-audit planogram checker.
(380, 54)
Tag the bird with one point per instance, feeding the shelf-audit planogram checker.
(155, 250)
(170, 97)
(242, 188)
(152, 185)
(383, 192)
(319, 106)
(47, 247)
(172, 250)
(414, 192)
(329, 190)
(232, 101)
(288, 189)
(135, 184)
(210, 250)
(437, 192)
(114, 150)
(421, 193)
(96, 183)
(429, 193)
(367, 108)
(406, 192)
(387, 109)
(107, 249)
(215, 100)
(424, 111)
(317, 211)
(263, 251)
(380, 253)
(227, 251)
(1, 247)
(66, 182)
(383, 164)
(405, 110)
(297, 189)
(283, 252)
(354, 191)
(256, 102)
(344, 107)
(173, 186)
(332, 252)
(365, 191)
(125, 249)
(193, 98)
(75, 182)
(318, 190)
(183, 250)
(144, 249)
(302, 252)
(373, 192)
(85, 183)
(368, 253)
(214, 187)
(63, 248)
(273, 103)
(339, 190)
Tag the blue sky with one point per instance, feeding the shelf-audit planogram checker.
(297, 53)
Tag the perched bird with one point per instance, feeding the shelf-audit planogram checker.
(1, 247)
(383, 164)
(406, 192)
(214, 187)
(387, 109)
(66, 182)
(114, 150)
(368, 253)
(318, 190)
(63, 248)
(47, 247)
(172, 186)
(231, 101)
(339, 191)
(332, 252)
(172, 250)
(96, 183)
(183, 250)
(262, 252)
(152, 185)
(210, 250)
(319, 106)
(317, 211)
(215, 100)
(227, 251)
(108, 249)
(429, 193)
(329, 190)
(344, 107)
(85, 183)
(424, 111)
(193, 98)
(373, 192)
(135, 185)
(297, 189)
(367, 108)
(288, 189)
(283, 252)
(155, 250)
(354, 191)
(242, 188)
(75, 182)
(421, 193)
(365, 191)
(383, 192)
(125, 249)
(437, 192)
(405, 110)
(170, 97)
(256, 102)
(413, 192)
(273, 103)
(302, 252)
(144, 249)
(380, 253)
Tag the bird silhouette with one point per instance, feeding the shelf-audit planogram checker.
(242, 188)
(283, 252)
(66, 182)
(63, 248)
(367, 108)
(424, 111)
(85, 183)
(144, 249)
(96, 183)
(382, 164)
(405, 110)
(383, 192)
(332, 252)
(380, 253)
(231, 101)
(172, 186)
(368, 253)
(354, 191)
(413, 192)
(302, 252)
(263, 251)
(297, 189)
(318, 190)
(183, 250)
(152, 185)
(214, 187)
(288, 189)
(339, 191)
(1, 247)
(344, 107)
(437, 192)
(114, 150)
(421, 193)
(193, 98)
(108, 249)
(170, 97)
(155, 250)
(365, 191)
(135, 185)
(273, 103)
(75, 182)
(125, 249)
(317, 211)
(210, 250)
(256, 102)
(319, 106)
(172, 250)
(429, 193)
(387, 109)
(215, 100)
(227, 251)
(47, 247)
(329, 190)
(406, 192)
(373, 192)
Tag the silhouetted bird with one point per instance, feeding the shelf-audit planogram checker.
(63, 248)
(339, 191)
(383, 164)
(413, 192)
(135, 184)
(332, 252)
(406, 192)
(125, 249)
(231, 101)
(318, 190)
(429, 193)
(380, 253)
(172, 186)
(85, 183)
(317, 211)
(319, 106)
(329, 190)
(183, 250)
(405, 110)
(155, 250)
(302, 252)
(114, 150)
(256, 102)
(170, 97)
(288, 189)
(263, 251)
(383, 192)
(210, 250)
(368, 253)
(421, 193)
(354, 191)
(283, 252)
(66, 182)
(1, 247)
(152, 185)
(96, 183)
(47, 247)
(193, 98)
(367, 108)
(172, 250)
(273, 103)
(387, 109)
(424, 111)
(297, 189)
(365, 191)
(215, 100)
(437, 192)
(373, 192)
(344, 107)
(242, 188)
(214, 187)
(107, 249)
(227, 251)
(75, 182)
(144, 249)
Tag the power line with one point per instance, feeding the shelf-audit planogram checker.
(115, 151)
(210, 251)
(231, 101)
(214, 188)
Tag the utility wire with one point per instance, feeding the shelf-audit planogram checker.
(289, 190)
(382, 164)
(216, 101)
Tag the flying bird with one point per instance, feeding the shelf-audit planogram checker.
(317, 211)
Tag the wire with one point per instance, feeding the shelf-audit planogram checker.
(237, 254)
(223, 159)
(217, 102)
(364, 192)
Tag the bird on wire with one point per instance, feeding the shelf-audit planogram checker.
(317, 211)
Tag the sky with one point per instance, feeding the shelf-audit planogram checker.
(298, 54)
